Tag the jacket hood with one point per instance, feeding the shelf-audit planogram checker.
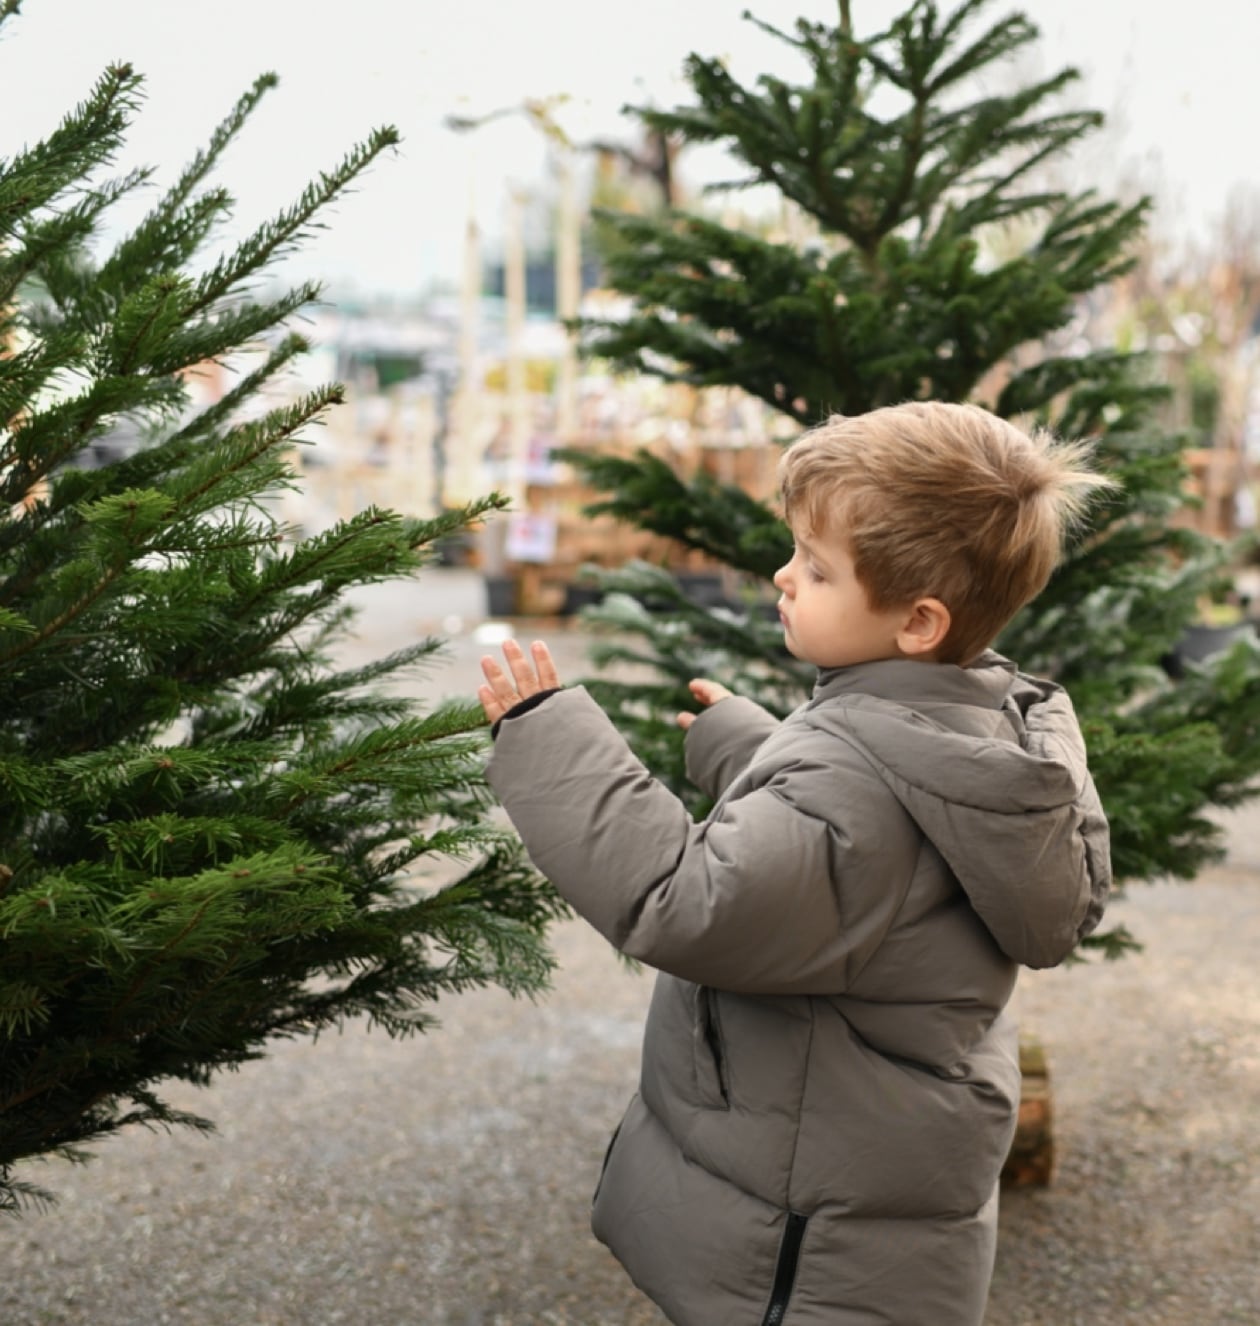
(991, 765)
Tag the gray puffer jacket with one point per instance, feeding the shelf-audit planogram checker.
(829, 1084)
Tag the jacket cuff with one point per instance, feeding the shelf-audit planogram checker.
(523, 707)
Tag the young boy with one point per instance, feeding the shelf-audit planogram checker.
(829, 1082)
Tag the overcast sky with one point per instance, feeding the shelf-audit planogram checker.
(1178, 83)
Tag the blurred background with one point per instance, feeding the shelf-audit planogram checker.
(447, 274)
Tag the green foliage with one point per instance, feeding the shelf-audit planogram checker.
(717, 519)
(651, 625)
(209, 835)
(937, 268)
(896, 299)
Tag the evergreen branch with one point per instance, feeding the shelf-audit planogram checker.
(117, 772)
(115, 1035)
(113, 1031)
(69, 229)
(14, 621)
(281, 234)
(151, 842)
(52, 437)
(161, 909)
(213, 416)
(205, 339)
(68, 614)
(911, 155)
(329, 557)
(365, 760)
(174, 241)
(24, 375)
(801, 42)
(1001, 41)
(957, 19)
(995, 128)
(293, 706)
(242, 450)
(385, 666)
(720, 520)
(243, 447)
(22, 1008)
(422, 533)
(164, 231)
(85, 139)
(1034, 387)
(336, 556)
(154, 307)
(1113, 943)
(206, 158)
(16, 1195)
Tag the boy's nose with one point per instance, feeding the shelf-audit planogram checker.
(781, 579)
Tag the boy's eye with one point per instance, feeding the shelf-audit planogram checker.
(810, 569)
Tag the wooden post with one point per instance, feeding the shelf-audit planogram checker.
(517, 398)
(422, 419)
(568, 299)
(461, 459)
(343, 425)
(494, 535)
(1030, 1163)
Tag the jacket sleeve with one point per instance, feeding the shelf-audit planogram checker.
(722, 740)
(756, 900)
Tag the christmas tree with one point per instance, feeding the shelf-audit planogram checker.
(936, 263)
(209, 836)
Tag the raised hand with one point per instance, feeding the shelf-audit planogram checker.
(706, 692)
(502, 692)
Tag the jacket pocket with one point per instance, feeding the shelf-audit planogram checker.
(708, 1051)
(603, 1169)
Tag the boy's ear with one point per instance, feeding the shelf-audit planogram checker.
(924, 628)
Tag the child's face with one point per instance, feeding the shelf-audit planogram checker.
(827, 618)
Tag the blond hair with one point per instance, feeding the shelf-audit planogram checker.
(942, 501)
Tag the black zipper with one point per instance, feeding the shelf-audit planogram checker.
(785, 1269)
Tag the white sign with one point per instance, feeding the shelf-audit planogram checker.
(531, 537)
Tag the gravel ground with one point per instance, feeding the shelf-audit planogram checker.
(445, 1181)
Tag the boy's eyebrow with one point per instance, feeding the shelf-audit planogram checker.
(810, 550)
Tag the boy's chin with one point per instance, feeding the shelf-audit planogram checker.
(795, 650)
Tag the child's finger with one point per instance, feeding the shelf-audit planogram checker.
(499, 685)
(548, 677)
(492, 708)
(685, 720)
(522, 672)
(706, 691)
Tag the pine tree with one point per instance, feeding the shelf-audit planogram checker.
(210, 836)
(940, 268)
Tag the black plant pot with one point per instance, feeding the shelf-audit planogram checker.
(577, 597)
(454, 549)
(703, 588)
(500, 596)
(1200, 641)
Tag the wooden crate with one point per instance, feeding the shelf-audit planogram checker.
(542, 587)
(604, 541)
(1030, 1163)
